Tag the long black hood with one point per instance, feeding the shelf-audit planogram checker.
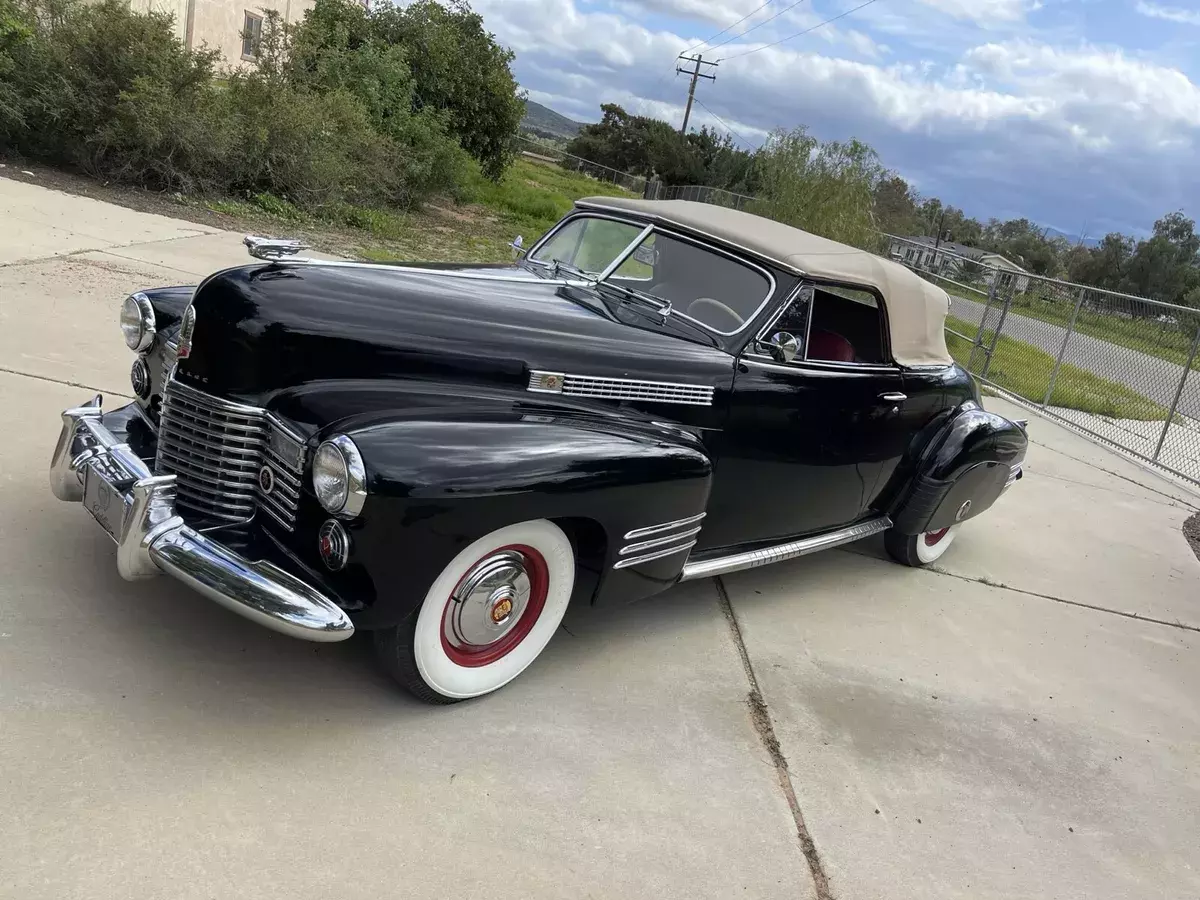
(264, 328)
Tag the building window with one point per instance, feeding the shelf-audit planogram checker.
(251, 35)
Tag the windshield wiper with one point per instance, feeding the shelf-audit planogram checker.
(656, 304)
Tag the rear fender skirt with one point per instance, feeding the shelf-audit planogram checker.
(961, 472)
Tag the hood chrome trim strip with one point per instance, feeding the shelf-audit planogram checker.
(600, 387)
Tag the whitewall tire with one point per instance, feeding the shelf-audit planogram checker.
(919, 549)
(486, 617)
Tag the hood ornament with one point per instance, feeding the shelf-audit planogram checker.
(272, 248)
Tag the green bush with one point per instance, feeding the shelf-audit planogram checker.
(331, 116)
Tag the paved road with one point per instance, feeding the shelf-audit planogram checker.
(1152, 377)
(1001, 728)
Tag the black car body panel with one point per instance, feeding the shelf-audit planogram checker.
(428, 369)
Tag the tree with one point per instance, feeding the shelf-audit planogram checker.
(896, 209)
(457, 71)
(827, 189)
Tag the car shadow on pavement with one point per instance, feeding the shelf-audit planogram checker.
(179, 649)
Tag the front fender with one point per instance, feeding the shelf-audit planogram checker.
(961, 470)
(438, 482)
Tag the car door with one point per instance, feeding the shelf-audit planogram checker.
(809, 442)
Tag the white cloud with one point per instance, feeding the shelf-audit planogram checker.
(983, 12)
(720, 14)
(1012, 126)
(1169, 13)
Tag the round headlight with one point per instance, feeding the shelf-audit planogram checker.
(137, 322)
(339, 477)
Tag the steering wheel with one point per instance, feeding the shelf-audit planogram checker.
(720, 308)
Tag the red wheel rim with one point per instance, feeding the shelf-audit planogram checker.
(464, 652)
(932, 538)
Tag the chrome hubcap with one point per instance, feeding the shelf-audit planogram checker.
(489, 601)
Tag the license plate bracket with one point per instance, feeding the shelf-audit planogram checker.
(104, 501)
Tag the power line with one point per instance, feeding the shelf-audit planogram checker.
(734, 25)
(799, 33)
(735, 37)
(725, 124)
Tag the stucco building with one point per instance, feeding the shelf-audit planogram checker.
(230, 26)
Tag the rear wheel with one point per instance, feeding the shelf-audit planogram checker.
(919, 549)
(486, 618)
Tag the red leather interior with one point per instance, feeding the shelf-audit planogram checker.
(829, 346)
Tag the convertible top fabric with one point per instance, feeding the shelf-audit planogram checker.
(916, 309)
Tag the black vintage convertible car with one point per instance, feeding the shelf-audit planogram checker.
(449, 455)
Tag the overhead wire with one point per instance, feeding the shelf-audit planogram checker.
(791, 37)
(723, 30)
(735, 37)
(724, 124)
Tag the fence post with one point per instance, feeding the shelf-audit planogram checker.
(1178, 393)
(1008, 295)
(1063, 349)
(978, 344)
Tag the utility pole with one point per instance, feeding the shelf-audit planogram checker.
(698, 61)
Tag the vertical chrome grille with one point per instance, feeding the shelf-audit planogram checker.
(215, 447)
(284, 456)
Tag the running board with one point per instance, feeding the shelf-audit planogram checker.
(752, 559)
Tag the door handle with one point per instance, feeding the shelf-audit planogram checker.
(893, 397)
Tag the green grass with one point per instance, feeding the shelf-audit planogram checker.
(1025, 370)
(1145, 335)
(1166, 341)
(478, 225)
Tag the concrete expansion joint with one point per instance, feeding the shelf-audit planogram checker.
(936, 570)
(760, 716)
(76, 384)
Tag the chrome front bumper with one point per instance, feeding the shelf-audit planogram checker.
(137, 508)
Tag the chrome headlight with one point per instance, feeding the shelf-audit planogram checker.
(339, 478)
(137, 322)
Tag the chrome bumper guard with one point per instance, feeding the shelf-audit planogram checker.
(137, 508)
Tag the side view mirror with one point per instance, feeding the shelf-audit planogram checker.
(783, 346)
(518, 247)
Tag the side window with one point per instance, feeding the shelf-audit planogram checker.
(833, 324)
(846, 326)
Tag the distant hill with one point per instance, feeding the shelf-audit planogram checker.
(1073, 239)
(545, 122)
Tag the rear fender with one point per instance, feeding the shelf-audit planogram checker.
(960, 472)
(437, 483)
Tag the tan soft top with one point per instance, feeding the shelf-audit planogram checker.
(916, 309)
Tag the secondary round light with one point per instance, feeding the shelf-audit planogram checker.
(339, 478)
(334, 545)
(137, 322)
(139, 377)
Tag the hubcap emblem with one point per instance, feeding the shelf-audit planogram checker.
(502, 609)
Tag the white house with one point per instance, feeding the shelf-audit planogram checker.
(947, 258)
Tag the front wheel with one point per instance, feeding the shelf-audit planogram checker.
(487, 616)
(918, 549)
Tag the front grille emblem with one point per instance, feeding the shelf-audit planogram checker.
(266, 480)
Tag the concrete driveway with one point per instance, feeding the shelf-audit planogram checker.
(1023, 723)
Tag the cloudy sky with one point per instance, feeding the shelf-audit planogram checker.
(1079, 114)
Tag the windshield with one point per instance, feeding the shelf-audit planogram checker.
(719, 292)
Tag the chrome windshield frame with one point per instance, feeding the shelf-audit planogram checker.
(653, 228)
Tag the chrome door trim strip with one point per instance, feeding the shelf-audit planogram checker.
(752, 559)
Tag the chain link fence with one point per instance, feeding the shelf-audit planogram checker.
(1115, 366)
(656, 190)
(536, 150)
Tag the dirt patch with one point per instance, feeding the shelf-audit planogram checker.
(1191, 531)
